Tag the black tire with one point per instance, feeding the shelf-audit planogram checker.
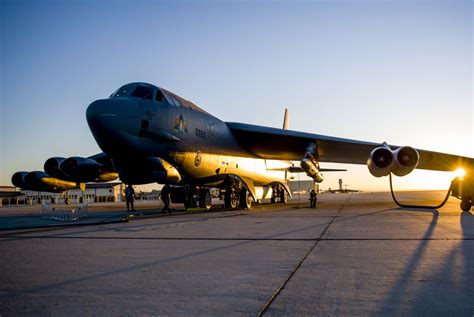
(283, 196)
(205, 199)
(465, 205)
(231, 199)
(245, 199)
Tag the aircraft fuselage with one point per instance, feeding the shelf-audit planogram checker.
(201, 147)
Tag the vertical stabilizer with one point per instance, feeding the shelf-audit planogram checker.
(286, 120)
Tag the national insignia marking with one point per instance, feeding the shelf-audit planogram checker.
(197, 159)
(180, 125)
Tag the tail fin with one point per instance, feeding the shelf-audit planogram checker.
(286, 120)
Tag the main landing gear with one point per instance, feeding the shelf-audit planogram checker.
(205, 198)
(192, 196)
(279, 194)
(235, 194)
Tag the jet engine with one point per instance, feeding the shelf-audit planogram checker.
(151, 170)
(18, 179)
(383, 161)
(51, 167)
(40, 181)
(311, 167)
(82, 169)
(406, 160)
(380, 161)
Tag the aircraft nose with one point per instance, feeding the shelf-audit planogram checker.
(108, 113)
(111, 108)
(112, 118)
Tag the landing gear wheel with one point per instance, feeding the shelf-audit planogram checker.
(231, 199)
(205, 199)
(274, 194)
(283, 196)
(465, 205)
(245, 199)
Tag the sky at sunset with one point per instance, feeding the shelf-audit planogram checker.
(395, 71)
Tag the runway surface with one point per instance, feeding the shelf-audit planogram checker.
(356, 254)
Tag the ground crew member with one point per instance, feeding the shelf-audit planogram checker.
(165, 197)
(129, 196)
(313, 197)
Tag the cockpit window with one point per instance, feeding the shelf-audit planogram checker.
(176, 101)
(123, 91)
(143, 92)
(171, 100)
(159, 96)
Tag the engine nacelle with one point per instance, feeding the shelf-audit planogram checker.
(81, 170)
(80, 167)
(380, 161)
(18, 180)
(312, 169)
(383, 161)
(51, 167)
(406, 160)
(40, 181)
(151, 170)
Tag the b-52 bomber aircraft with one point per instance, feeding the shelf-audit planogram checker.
(149, 134)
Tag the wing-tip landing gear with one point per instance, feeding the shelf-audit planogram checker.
(466, 204)
(463, 188)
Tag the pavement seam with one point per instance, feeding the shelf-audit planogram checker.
(292, 273)
(235, 239)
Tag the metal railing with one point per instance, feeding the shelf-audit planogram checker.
(49, 212)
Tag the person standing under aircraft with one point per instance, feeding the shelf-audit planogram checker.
(313, 197)
(129, 196)
(165, 197)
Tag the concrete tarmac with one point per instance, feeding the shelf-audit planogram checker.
(356, 254)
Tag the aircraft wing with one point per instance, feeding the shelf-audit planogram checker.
(279, 144)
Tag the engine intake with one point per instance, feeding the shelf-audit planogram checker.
(51, 167)
(406, 160)
(18, 180)
(380, 161)
(383, 161)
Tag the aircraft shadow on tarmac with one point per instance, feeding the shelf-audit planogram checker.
(446, 274)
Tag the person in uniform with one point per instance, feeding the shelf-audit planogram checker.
(129, 197)
(165, 197)
(313, 197)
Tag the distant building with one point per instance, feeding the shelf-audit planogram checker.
(95, 192)
(8, 193)
(303, 187)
